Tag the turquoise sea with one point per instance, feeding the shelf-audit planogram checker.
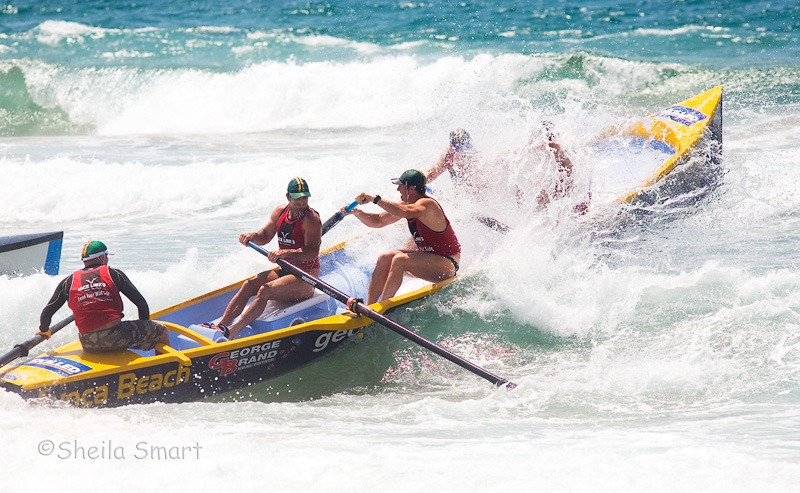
(655, 347)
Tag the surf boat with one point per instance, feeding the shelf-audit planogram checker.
(199, 361)
(637, 157)
(29, 253)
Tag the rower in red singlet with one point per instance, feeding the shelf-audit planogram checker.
(299, 232)
(433, 251)
(291, 237)
(94, 294)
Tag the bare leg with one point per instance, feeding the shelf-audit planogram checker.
(423, 265)
(248, 290)
(379, 275)
(400, 262)
(287, 288)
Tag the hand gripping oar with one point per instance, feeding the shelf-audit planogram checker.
(23, 348)
(358, 307)
(336, 218)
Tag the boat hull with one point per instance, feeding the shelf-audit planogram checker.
(225, 368)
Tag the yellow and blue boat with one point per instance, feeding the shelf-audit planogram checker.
(199, 362)
(636, 158)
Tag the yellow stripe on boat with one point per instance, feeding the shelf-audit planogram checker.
(668, 127)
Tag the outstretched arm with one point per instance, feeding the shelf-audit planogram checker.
(426, 209)
(265, 234)
(397, 209)
(441, 165)
(564, 163)
(371, 219)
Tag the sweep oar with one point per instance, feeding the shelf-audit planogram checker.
(23, 348)
(358, 307)
(493, 223)
(487, 221)
(336, 218)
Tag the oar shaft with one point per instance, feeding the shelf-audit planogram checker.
(363, 309)
(493, 223)
(23, 348)
(336, 218)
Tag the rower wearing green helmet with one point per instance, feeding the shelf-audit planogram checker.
(93, 293)
(299, 234)
(433, 251)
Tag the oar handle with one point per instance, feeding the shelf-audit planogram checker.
(22, 349)
(357, 306)
(336, 218)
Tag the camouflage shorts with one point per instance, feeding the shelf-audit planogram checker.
(134, 334)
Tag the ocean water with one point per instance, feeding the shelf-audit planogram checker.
(656, 347)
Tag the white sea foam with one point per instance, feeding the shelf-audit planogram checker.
(53, 32)
(380, 92)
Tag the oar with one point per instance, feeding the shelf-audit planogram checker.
(487, 221)
(358, 307)
(336, 218)
(493, 223)
(22, 349)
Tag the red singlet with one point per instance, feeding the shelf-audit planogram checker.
(290, 236)
(94, 299)
(442, 243)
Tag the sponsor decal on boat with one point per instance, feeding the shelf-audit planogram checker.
(246, 357)
(128, 385)
(322, 341)
(682, 114)
(62, 366)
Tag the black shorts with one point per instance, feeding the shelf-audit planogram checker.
(134, 334)
(451, 259)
